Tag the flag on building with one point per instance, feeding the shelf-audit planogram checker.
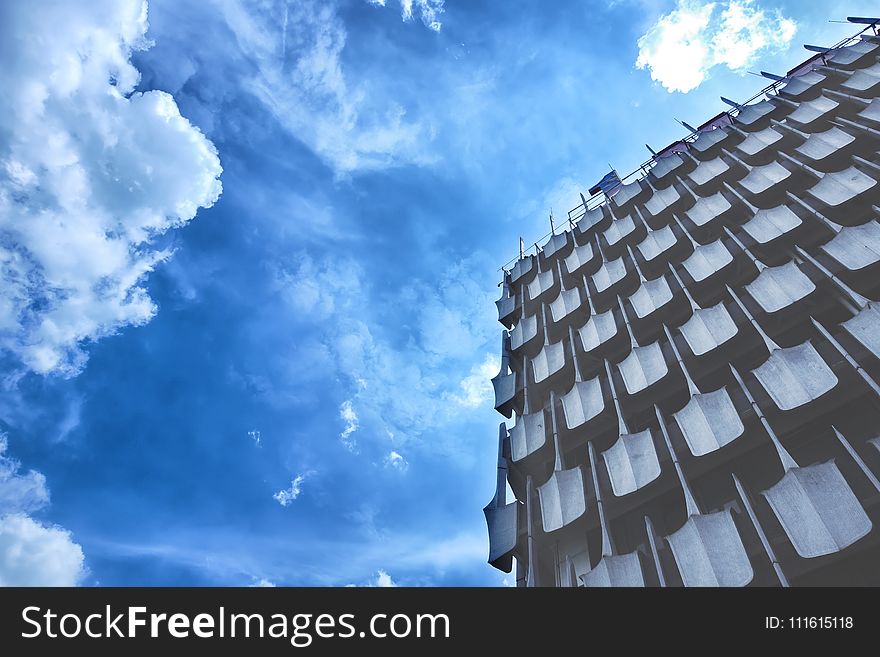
(608, 184)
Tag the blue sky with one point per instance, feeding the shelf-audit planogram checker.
(278, 372)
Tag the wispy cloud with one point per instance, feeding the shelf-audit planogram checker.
(396, 460)
(289, 495)
(429, 11)
(300, 78)
(350, 417)
(684, 45)
(317, 290)
(230, 556)
(399, 383)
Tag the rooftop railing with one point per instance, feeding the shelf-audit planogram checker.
(599, 199)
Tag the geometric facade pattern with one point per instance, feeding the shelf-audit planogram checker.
(692, 368)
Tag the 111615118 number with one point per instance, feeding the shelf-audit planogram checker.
(820, 622)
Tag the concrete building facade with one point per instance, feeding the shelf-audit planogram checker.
(691, 368)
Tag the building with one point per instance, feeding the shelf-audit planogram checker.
(692, 367)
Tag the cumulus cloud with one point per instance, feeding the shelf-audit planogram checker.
(350, 417)
(32, 554)
(687, 43)
(429, 11)
(297, 50)
(91, 173)
(287, 496)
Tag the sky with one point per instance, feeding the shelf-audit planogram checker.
(249, 251)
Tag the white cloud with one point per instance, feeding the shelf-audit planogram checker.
(297, 50)
(396, 460)
(675, 49)
(684, 45)
(397, 377)
(350, 417)
(746, 31)
(318, 290)
(452, 313)
(32, 554)
(383, 580)
(287, 496)
(402, 378)
(403, 385)
(476, 387)
(429, 11)
(91, 173)
(23, 492)
(262, 583)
